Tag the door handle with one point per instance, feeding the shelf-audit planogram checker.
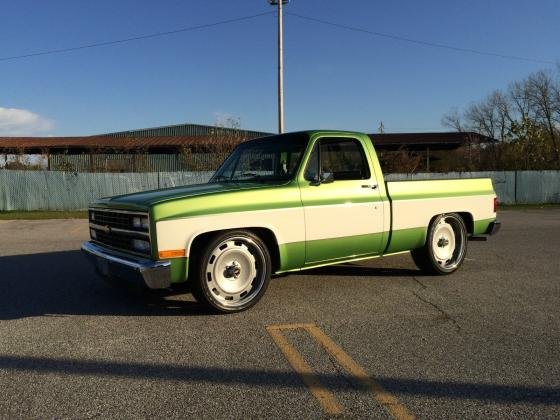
(373, 187)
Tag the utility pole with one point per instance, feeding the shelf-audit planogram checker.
(280, 3)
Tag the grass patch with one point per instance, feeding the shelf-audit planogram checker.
(527, 206)
(40, 215)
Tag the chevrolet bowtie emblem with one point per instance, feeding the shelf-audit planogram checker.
(106, 229)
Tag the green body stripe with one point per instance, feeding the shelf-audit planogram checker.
(481, 226)
(332, 249)
(407, 239)
(179, 270)
(292, 256)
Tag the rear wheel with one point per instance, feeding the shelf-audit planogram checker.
(232, 272)
(446, 245)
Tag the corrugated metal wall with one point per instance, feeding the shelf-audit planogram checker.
(512, 187)
(51, 190)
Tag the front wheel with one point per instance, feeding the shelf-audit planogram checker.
(446, 245)
(232, 272)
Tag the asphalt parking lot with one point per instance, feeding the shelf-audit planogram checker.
(375, 339)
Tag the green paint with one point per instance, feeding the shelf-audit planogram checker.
(481, 226)
(407, 239)
(261, 197)
(179, 270)
(292, 256)
(334, 249)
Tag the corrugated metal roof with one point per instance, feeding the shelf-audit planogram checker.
(187, 130)
(381, 141)
(103, 142)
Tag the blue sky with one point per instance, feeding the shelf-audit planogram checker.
(333, 78)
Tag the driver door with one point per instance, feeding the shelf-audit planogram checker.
(342, 204)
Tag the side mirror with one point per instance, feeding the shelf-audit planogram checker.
(327, 177)
(316, 181)
(324, 178)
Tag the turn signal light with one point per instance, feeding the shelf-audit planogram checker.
(174, 253)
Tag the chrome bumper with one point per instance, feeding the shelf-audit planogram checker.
(154, 274)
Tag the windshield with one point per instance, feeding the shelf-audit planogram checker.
(274, 158)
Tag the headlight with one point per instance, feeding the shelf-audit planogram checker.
(141, 245)
(93, 234)
(140, 222)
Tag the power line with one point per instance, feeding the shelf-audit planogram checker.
(419, 42)
(135, 38)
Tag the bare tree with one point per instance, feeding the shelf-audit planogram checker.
(520, 99)
(525, 118)
(480, 117)
(541, 90)
(453, 120)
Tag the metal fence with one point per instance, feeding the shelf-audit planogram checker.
(512, 187)
(52, 190)
(130, 162)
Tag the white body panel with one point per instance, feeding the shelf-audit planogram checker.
(415, 213)
(342, 220)
(287, 224)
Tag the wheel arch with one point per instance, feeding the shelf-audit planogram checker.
(267, 235)
(468, 220)
(466, 216)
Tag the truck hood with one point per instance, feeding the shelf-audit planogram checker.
(145, 199)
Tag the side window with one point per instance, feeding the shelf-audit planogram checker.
(312, 170)
(344, 158)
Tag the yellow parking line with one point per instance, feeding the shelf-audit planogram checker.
(383, 397)
(327, 400)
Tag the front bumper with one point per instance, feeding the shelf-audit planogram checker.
(154, 274)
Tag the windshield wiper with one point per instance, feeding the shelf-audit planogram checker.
(251, 174)
(219, 178)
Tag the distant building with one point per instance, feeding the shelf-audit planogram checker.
(427, 146)
(182, 147)
(188, 130)
(168, 148)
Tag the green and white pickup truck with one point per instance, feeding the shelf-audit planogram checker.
(285, 203)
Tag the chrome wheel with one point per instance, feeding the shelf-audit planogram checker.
(234, 272)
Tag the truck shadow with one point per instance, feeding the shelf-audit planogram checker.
(64, 283)
(357, 270)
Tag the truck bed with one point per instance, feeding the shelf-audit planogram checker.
(414, 203)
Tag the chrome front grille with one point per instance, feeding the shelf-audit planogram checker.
(112, 219)
(117, 229)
